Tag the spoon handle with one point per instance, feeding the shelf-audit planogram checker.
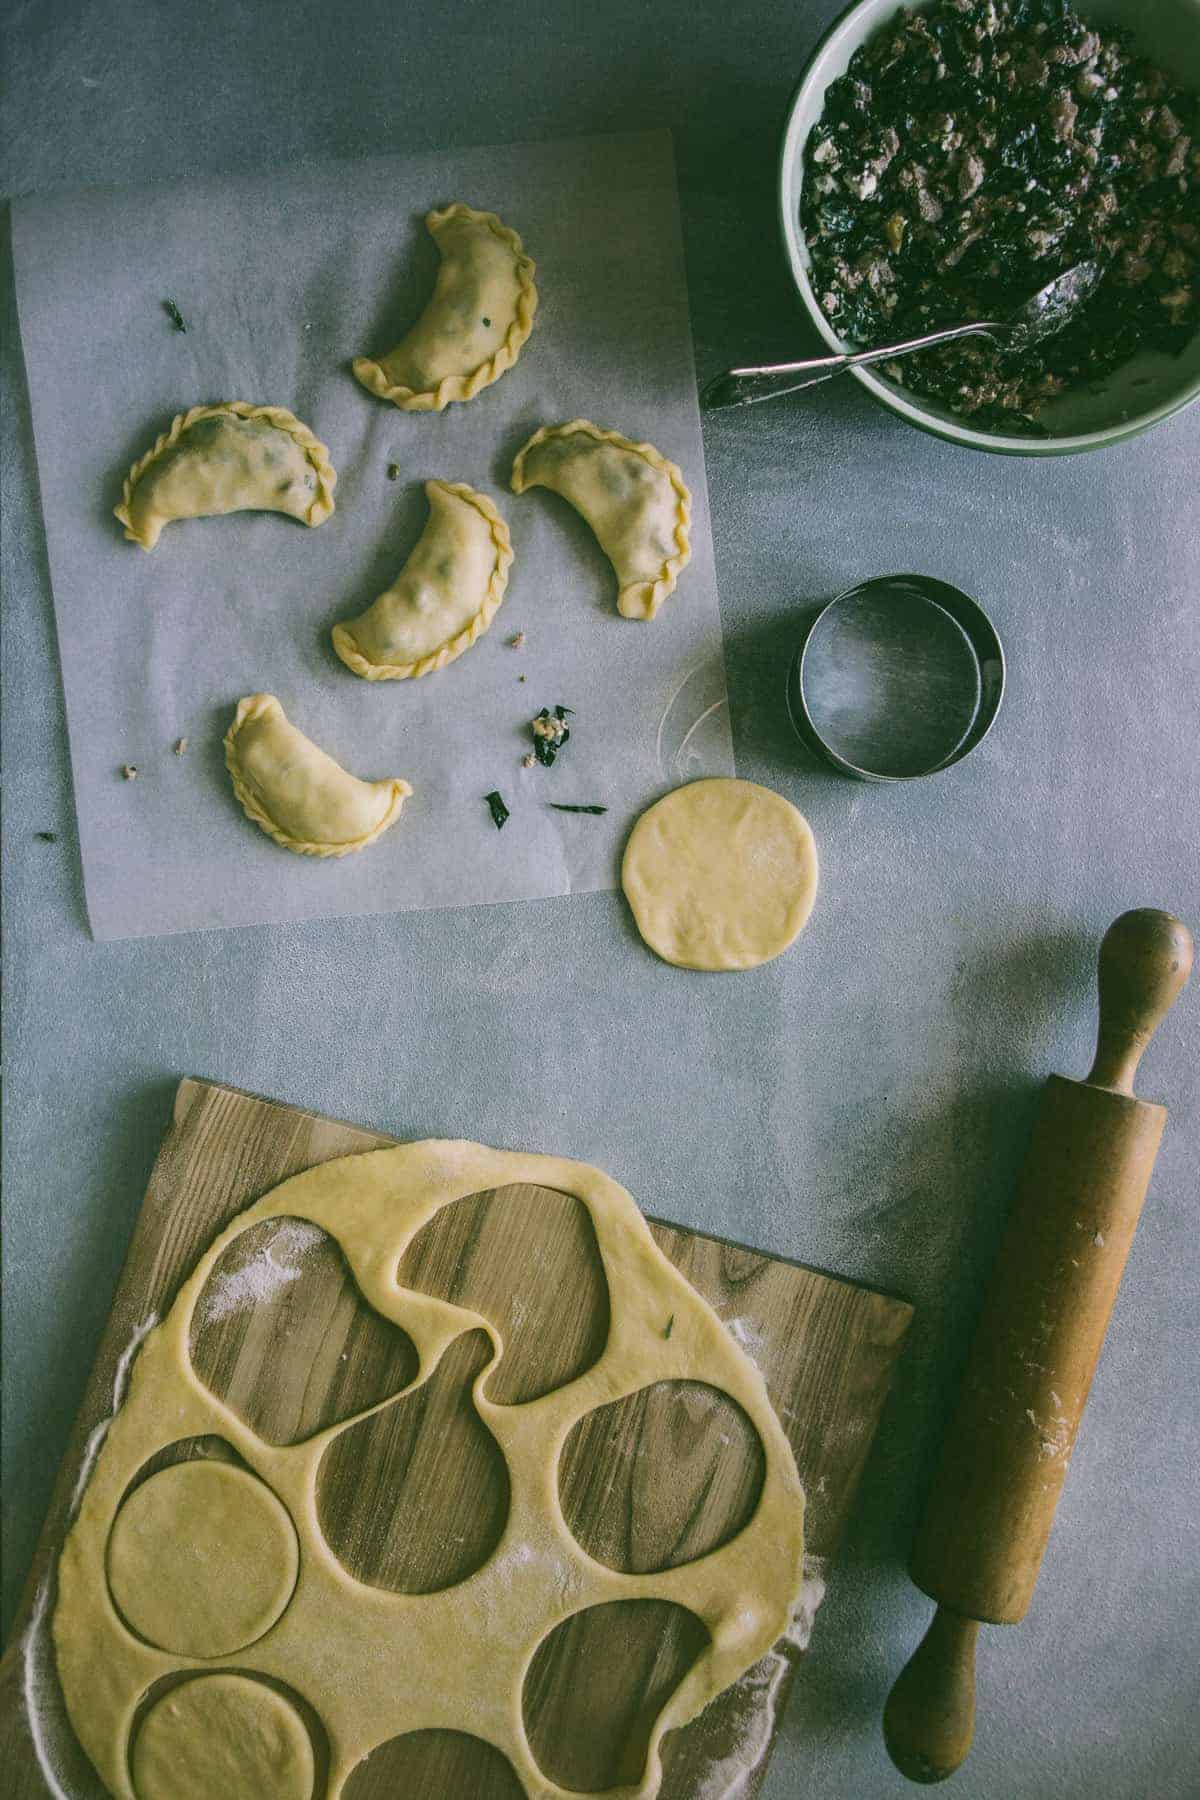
(745, 387)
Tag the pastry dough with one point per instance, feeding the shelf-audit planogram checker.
(720, 874)
(635, 501)
(238, 1574)
(229, 458)
(298, 794)
(474, 324)
(444, 597)
(222, 1737)
(374, 1663)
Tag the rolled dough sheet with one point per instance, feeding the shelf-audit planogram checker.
(372, 1662)
(720, 874)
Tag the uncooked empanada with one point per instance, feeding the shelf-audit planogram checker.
(298, 794)
(444, 597)
(229, 458)
(474, 324)
(632, 497)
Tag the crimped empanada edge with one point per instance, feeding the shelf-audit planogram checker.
(279, 416)
(370, 373)
(255, 706)
(642, 599)
(343, 639)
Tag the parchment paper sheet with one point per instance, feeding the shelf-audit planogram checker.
(281, 278)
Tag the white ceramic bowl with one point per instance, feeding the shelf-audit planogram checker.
(1149, 387)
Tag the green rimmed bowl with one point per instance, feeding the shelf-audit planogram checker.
(1141, 392)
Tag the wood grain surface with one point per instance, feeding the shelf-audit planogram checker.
(297, 1354)
(623, 1513)
(513, 1256)
(415, 1497)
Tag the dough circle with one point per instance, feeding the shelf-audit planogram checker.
(202, 1559)
(376, 1664)
(222, 1737)
(721, 874)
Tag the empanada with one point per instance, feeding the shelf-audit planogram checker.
(635, 501)
(298, 794)
(474, 323)
(444, 597)
(234, 457)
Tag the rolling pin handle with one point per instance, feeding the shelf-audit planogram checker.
(929, 1719)
(1145, 960)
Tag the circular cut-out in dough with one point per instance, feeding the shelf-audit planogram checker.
(435, 1763)
(219, 1737)
(202, 1559)
(628, 1517)
(721, 874)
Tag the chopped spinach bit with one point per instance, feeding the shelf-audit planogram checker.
(393, 471)
(973, 151)
(46, 837)
(173, 313)
(498, 809)
(669, 1327)
(562, 806)
(550, 733)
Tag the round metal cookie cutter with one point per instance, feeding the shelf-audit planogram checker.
(896, 678)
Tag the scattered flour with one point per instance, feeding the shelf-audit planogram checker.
(812, 1592)
(753, 1724)
(39, 1682)
(743, 1332)
(757, 1697)
(53, 1741)
(91, 1449)
(259, 1280)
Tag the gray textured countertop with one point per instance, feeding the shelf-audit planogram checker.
(861, 1104)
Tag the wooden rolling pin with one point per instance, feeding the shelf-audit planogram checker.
(1008, 1446)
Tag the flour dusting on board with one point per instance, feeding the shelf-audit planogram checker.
(812, 1592)
(754, 1700)
(99, 1432)
(752, 1705)
(54, 1744)
(258, 1281)
(38, 1681)
(752, 1341)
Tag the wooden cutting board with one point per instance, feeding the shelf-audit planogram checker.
(826, 1348)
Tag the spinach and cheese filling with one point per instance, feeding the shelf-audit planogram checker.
(976, 149)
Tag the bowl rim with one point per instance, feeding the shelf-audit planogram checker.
(795, 134)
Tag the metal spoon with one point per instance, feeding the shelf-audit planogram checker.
(1046, 313)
